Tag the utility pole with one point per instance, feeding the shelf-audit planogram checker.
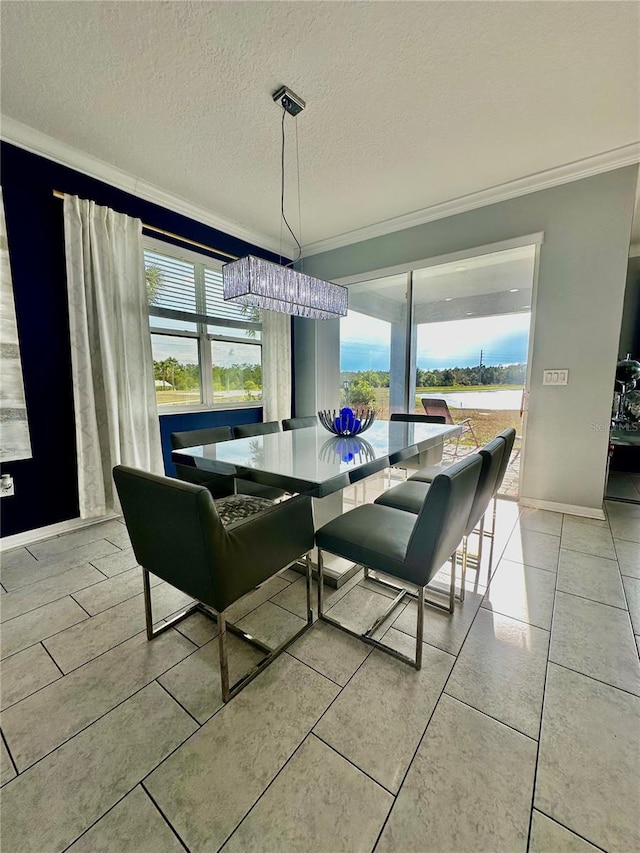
(481, 351)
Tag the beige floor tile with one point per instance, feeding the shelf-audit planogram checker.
(632, 592)
(547, 836)
(134, 824)
(587, 538)
(501, 671)
(541, 521)
(57, 545)
(590, 577)
(85, 695)
(114, 564)
(271, 624)
(588, 764)
(468, 789)
(596, 640)
(443, 630)
(16, 559)
(625, 526)
(522, 592)
(330, 651)
(195, 682)
(239, 609)
(628, 554)
(113, 591)
(24, 673)
(56, 800)
(533, 549)
(571, 520)
(294, 597)
(359, 609)
(199, 628)
(21, 576)
(233, 758)
(318, 802)
(30, 628)
(75, 646)
(43, 592)
(290, 575)
(119, 536)
(380, 716)
(7, 770)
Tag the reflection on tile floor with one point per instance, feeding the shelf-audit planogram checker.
(519, 733)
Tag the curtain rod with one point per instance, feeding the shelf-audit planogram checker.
(58, 194)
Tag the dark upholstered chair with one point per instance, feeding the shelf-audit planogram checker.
(300, 423)
(509, 436)
(249, 430)
(219, 485)
(410, 496)
(408, 547)
(413, 463)
(412, 418)
(178, 535)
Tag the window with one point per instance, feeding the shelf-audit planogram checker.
(206, 352)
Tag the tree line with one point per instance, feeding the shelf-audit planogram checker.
(358, 386)
(499, 374)
(186, 377)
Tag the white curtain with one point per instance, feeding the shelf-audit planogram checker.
(113, 381)
(276, 365)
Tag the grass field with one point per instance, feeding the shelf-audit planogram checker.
(486, 423)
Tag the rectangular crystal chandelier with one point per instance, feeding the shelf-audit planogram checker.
(263, 284)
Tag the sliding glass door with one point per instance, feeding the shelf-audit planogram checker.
(449, 338)
(373, 345)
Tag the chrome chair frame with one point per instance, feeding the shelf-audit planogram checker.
(402, 593)
(228, 691)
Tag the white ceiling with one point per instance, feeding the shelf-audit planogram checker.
(410, 104)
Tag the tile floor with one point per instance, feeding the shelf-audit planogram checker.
(520, 732)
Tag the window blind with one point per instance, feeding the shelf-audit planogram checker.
(182, 290)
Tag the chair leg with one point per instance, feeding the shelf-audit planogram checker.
(463, 574)
(148, 613)
(420, 628)
(224, 663)
(307, 563)
(480, 541)
(320, 585)
(452, 585)
(493, 535)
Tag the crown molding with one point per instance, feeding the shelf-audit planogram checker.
(606, 162)
(36, 142)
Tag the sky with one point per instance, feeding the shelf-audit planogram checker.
(365, 342)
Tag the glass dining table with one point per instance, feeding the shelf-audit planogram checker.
(314, 462)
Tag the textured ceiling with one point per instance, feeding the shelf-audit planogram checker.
(409, 103)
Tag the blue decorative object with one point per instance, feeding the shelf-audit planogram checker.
(348, 448)
(347, 421)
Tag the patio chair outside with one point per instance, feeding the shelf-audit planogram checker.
(438, 406)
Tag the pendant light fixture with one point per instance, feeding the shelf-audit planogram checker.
(262, 284)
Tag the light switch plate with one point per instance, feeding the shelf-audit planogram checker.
(555, 376)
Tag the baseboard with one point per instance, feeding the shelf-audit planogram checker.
(19, 540)
(569, 509)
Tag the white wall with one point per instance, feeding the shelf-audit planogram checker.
(581, 284)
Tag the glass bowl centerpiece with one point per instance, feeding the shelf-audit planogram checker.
(347, 421)
(349, 448)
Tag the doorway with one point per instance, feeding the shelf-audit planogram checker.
(456, 331)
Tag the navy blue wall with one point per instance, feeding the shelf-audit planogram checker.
(46, 485)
